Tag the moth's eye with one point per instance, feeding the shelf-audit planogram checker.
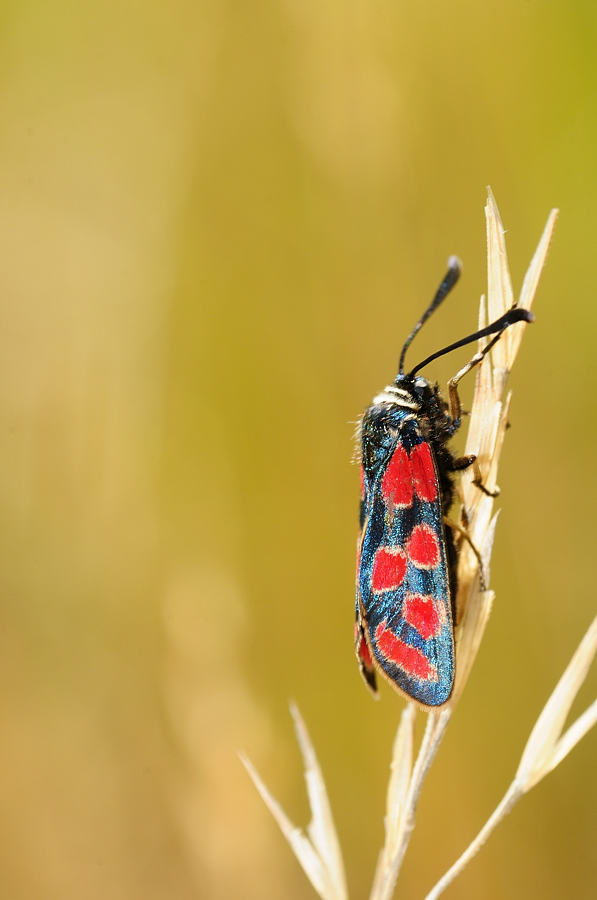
(420, 387)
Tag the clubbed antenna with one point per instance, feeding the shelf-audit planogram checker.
(450, 279)
(516, 314)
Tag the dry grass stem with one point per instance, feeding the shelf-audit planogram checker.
(547, 746)
(499, 813)
(487, 428)
(398, 837)
(545, 749)
(397, 797)
(318, 850)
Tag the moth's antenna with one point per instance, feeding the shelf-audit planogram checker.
(516, 314)
(450, 279)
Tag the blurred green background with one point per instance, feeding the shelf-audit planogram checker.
(218, 223)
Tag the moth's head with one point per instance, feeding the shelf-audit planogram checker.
(419, 389)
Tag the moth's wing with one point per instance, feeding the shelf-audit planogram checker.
(366, 667)
(403, 585)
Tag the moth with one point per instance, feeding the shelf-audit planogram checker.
(407, 554)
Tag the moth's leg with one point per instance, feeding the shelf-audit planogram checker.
(464, 533)
(463, 462)
(478, 481)
(455, 405)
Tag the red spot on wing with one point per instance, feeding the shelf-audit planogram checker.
(389, 569)
(362, 483)
(408, 658)
(423, 547)
(397, 482)
(420, 612)
(423, 472)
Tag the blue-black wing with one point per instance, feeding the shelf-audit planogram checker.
(404, 616)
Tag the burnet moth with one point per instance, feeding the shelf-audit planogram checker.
(406, 565)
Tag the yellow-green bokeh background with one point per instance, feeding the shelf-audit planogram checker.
(218, 223)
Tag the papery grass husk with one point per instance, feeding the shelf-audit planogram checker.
(318, 851)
